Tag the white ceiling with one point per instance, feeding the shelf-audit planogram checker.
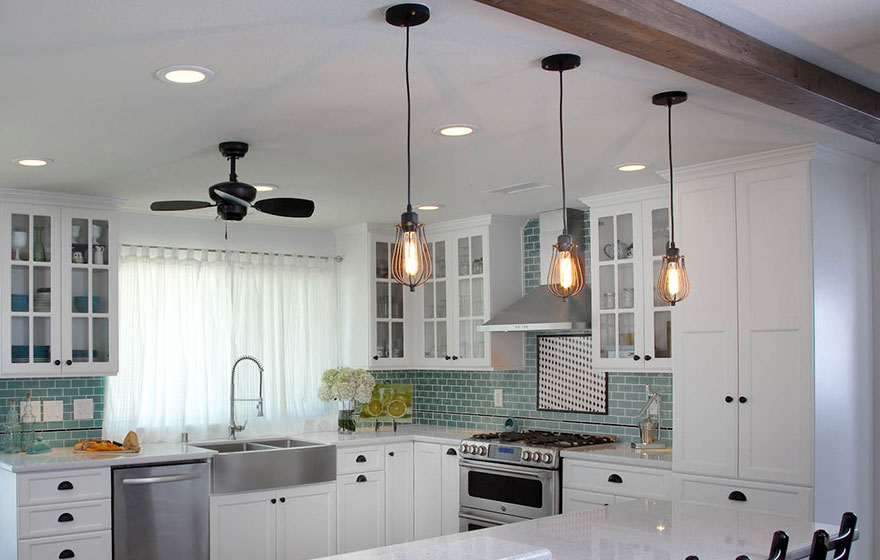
(317, 89)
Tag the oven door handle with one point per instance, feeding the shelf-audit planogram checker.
(530, 472)
(469, 517)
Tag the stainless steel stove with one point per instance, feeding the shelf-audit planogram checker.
(514, 476)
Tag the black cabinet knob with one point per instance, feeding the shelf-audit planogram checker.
(737, 496)
(391, 453)
(376, 357)
(647, 358)
(743, 400)
(454, 357)
(448, 357)
(360, 459)
(273, 500)
(728, 399)
(65, 485)
(636, 357)
(65, 518)
(57, 362)
(282, 500)
(69, 362)
(615, 478)
(66, 553)
(451, 451)
(361, 478)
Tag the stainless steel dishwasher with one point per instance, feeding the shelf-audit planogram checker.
(161, 512)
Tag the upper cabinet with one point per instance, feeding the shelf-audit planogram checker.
(59, 288)
(434, 326)
(631, 323)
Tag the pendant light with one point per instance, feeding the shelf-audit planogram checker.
(411, 260)
(672, 285)
(566, 275)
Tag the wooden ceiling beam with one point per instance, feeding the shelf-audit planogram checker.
(672, 35)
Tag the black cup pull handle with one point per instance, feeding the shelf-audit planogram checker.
(728, 399)
(361, 478)
(65, 485)
(451, 451)
(391, 453)
(636, 357)
(360, 459)
(65, 518)
(66, 553)
(70, 363)
(743, 400)
(615, 478)
(737, 496)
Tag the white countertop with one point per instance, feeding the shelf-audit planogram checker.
(642, 529)
(623, 454)
(65, 458)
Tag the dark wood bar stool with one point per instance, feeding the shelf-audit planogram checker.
(778, 547)
(841, 544)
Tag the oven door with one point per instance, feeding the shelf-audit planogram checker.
(472, 519)
(510, 489)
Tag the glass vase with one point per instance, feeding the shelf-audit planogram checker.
(347, 423)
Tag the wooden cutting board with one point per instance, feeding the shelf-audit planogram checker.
(105, 453)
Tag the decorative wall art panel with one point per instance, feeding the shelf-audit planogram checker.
(566, 380)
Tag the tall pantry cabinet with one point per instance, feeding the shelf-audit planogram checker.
(773, 370)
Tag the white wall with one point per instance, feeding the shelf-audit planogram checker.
(138, 228)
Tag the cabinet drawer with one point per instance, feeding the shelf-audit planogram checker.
(86, 546)
(792, 501)
(61, 519)
(579, 500)
(640, 483)
(360, 459)
(68, 486)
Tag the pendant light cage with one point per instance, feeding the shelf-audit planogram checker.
(411, 263)
(672, 284)
(566, 275)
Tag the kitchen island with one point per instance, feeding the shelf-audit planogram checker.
(641, 529)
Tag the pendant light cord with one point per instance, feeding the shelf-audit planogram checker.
(671, 201)
(408, 128)
(562, 160)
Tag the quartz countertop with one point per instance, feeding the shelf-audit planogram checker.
(623, 454)
(637, 529)
(65, 458)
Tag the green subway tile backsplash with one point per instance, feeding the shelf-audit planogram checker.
(65, 389)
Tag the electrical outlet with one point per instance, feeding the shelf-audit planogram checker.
(35, 409)
(53, 411)
(83, 409)
(499, 398)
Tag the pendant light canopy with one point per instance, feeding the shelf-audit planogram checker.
(411, 260)
(566, 275)
(672, 285)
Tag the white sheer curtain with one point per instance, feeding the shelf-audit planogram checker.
(184, 317)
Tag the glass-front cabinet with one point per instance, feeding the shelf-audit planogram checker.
(389, 337)
(59, 291)
(632, 326)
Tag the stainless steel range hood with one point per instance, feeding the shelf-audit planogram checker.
(540, 310)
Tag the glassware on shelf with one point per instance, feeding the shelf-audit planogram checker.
(12, 428)
(28, 424)
(19, 242)
(39, 248)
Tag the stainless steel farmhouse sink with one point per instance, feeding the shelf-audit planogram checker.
(240, 466)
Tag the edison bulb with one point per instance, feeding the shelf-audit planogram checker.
(673, 285)
(565, 278)
(410, 254)
(566, 273)
(673, 279)
(411, 263)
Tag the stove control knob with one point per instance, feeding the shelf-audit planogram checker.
(471, 448)
(536, 456)
(481, 450)
(526, 455)
(463, 448)
(548, 458)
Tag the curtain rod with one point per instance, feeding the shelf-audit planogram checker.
(337, 258)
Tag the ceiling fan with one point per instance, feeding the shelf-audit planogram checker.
(233, 198)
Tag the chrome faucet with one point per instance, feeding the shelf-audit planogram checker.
(233, 427)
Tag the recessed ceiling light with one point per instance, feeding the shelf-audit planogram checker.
(185, 74)
(429, 206)
(32, 161)
(631, 167)
(456, 129)
(265, 187)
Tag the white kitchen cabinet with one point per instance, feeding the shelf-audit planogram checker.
(360, 511)
(450, 481)
(289, 524)
(59, 288)
(579, 500)
(429, 493)
(747, 331)
(628, 237)
(398, 493)
(776, 499)
(588, 485)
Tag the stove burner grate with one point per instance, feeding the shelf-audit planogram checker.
(547, 438)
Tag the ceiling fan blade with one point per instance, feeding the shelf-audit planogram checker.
(231, 198)
(168, 205)
(287, 207)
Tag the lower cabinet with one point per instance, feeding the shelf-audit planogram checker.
(360, 511)
(588, 485)
(288, 524)
(398, 493)
(437, 479)
(778, 499)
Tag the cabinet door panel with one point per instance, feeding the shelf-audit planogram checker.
(307, 522)
(429, 491)
(435, 322)
(658, 345)
(243, 526)
(450, 481)
(470, 348)
(398, 493)
(360, 511)
(775, 324)
(579, 500)
(705, 370)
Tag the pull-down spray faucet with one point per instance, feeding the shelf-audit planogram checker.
(233, 427)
